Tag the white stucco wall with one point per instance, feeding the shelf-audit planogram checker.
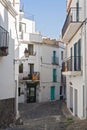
(46, 72)
(22, 97)
(42, 60)
(30, 25)
(7, 70)
(79, 81)
(43, 63)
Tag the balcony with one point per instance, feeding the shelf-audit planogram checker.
(72, 66)
(35, 77)
(72, 24)
(3, 42)
(55, 60)
(30, 37)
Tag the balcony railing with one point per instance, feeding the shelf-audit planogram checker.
(72, 17)
(3, 42)
(26, 76)
(72, 64)
(55, 60)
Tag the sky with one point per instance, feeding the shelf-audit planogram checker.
(49, 15)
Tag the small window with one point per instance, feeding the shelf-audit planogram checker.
(22, 27)
(60, 90)
(21, 68)
(61, 55)
(30, 49)
(19, 91)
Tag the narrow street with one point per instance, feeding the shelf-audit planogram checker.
(48, 116)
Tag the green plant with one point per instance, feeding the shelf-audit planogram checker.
(69, 121)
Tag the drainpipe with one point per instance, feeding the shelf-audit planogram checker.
(16, 65)
(84, 56)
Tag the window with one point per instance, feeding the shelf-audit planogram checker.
(54, 57)
(30, 49)
(54, 75)
(61, 55)
(77, 11)
(54, 53)
(61, 88)
(21, 68)
(19, 91)
(31, 68)
(77, 55)
(22, 27)
(4, 40)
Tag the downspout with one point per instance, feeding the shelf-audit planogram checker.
(17, 80)
(85, 57)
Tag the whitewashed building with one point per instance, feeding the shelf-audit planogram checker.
(8, 15)
(74, 35)
(40, 72)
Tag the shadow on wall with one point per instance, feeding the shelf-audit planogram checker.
(7, 106)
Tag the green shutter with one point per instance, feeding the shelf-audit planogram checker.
(54, 75)
(71, 59)
(52, 93)
(77, 11)
(54, 57)
(75, 56)
(79, 54)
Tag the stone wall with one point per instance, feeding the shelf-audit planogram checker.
(7, 112)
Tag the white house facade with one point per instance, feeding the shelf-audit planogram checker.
(51, 54)
(75, 64)
(40, 72)
(7, 67)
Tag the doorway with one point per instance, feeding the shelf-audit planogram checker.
(52, 93)
(61, 92)
(76, 102)
(31, 93)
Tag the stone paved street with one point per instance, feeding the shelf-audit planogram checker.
(48, 116)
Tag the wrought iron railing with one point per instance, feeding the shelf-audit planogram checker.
(28, 76)
(4, 40)
(72, 64)
(72, 16)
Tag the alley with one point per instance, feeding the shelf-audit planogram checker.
(48, 116)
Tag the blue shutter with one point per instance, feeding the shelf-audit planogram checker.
(77, 11)
(54, 57)
(52, 93)
(71, 59)
(54, 75)
(79, 54)
(75, 56)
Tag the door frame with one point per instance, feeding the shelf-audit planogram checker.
(31, 99)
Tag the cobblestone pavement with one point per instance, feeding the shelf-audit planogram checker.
(48, 116)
